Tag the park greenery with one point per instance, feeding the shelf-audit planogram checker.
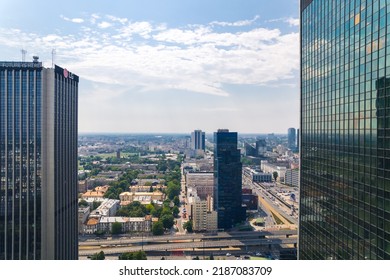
(170, 175)
(98, 256)
(188, 226)
(116, 228)
(139, 255)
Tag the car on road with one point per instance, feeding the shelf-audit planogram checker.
(228, 254)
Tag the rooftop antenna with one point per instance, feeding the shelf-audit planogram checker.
(53, 53)
(24, 52)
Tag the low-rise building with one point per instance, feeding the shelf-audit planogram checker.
(267, 167)
(256, 176)
(143, 188)
(91, 226)
(250, 200)
(98, 192)
(143, 197)
(138, 224)
(83, 216)
(108, 207)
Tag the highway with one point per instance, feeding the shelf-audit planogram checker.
(192, 237)
(281, 208)
(189, 244)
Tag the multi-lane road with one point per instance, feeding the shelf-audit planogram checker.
(220, 241)
(269, 201)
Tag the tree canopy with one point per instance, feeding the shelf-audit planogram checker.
(116, 228)
(158, 228)
(98, 256)
(139, 255)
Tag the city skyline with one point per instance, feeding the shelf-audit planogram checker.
(199, 65)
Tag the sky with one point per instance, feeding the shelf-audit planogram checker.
(167, 65)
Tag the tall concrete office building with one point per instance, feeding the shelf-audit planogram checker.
(227, 179)
(345, 130)
(198, 140)
(38, 162)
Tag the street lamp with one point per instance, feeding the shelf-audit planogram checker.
(203, 248)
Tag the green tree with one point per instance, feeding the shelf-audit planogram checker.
(172, 190)
(275, 175)
(167, 221)
(158, 228)
(98, 256)
(188, 226)
(116, 228)
(175, 211)
(176, 201)
(166, 210)
(149, 208)
(83, 203)
(167, 203)
(162, 165)
(139, 255)
(95, 171)
(95, 205)
(122, 212)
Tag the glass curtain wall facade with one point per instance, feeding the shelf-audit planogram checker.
(20, 161)
(227, 179)
(38, 162)
(65, 163)
(345, 130)
(291, 137)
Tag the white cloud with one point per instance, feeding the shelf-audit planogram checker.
(141, 28)
(239, 23)
(293, 21)
(104, 24)
(94, 18)
(74, 20)
(153, 57)
(118, 19)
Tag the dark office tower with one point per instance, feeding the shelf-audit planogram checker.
(227, 179)
(250, 151)
(291, 137)
(198, 140)
(298, 138)
(38, 162)
(261, 147)
(345, 130)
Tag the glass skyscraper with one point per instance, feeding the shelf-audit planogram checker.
(227, 179)
(291, 137)
(345, 130)
(38, 162)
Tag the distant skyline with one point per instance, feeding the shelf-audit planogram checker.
(167, 66)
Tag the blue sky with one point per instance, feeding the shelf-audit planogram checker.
(167, 66)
